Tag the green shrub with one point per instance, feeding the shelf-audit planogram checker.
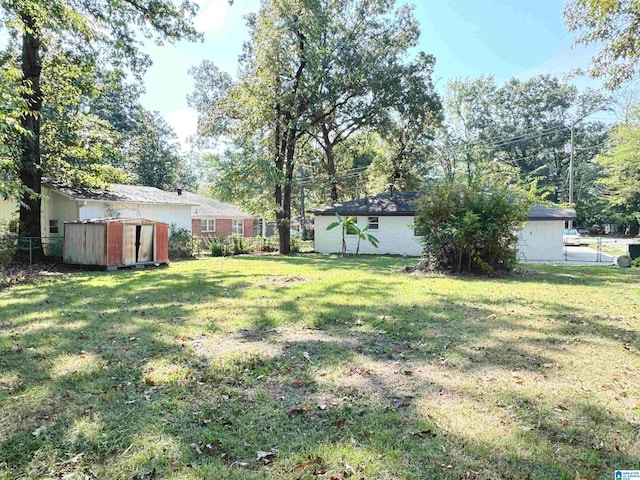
(238, 244)
(296, 244)
(220, 248)
(470, 227)
(181, 243)
(635, 262)
(8, 244)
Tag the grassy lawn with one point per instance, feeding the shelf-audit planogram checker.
(613, 249)
(331, 367)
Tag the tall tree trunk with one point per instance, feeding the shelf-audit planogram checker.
(330, 162)
(284, 227)
(30, 172)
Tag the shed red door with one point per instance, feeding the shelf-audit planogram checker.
(161, 253)
(114, 244)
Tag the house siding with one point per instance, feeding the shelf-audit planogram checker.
(8, 210)
(541, 240)
(178, 215)
(395, 234)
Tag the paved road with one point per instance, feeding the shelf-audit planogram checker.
(586, 255)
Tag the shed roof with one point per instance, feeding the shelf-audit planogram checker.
(210, 207)
(120, 193)
(404, 204)
(102, 220)
(538, 212)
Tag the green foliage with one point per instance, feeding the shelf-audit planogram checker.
(635, 262)
(239, 244)
(181, 243)
(8, 244)
(523, 126)
(296, 244)
(311, 70)
(233, 245)
(220, 248)
(621, 164)
(470, 227)
(613, 25)
(349, 225)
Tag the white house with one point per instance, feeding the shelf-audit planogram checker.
(391, 220)
(62, 204)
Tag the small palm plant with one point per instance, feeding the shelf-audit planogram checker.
(350, 226)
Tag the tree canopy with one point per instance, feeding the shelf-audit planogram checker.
(313, 73)
(61, 43)
(614, 24)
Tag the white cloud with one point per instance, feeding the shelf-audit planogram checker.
(184, 123)
(212, 14)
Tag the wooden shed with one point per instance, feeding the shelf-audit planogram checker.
(116, 242)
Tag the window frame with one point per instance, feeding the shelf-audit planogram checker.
(204, 225)
(237, 222)
(373, 225)
(54, 226)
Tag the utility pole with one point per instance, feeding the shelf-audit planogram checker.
(571, 154)
(571, 168)
(303, 229)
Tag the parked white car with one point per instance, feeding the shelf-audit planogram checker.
(571, 237)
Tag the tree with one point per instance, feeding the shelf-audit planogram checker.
(614, 23)
(86, 27)
(621, 164)
(155, 154)
(525, 125)
(302, 74)
(366, 78)
(350, 225)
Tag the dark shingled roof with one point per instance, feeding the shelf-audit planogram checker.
(120, 193)
(210, 207)
(538, 212)
(385, 204)
(403, 204)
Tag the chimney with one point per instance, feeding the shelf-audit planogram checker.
(179, 190)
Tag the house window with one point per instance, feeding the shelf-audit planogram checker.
(53, 226)
(373, 223)
(352, 232)
(208, 225)
(237, 227)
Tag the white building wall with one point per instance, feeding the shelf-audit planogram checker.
(8, 210)
(57, 207)
(395, 235)
(541, 241)
(178, 215)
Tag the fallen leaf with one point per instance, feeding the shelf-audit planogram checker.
(590, 476)
(307, 356)
(470, 475)
(38, 431)
(267, 457)
(303, 466)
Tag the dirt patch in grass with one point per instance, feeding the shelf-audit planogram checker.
(16, 274)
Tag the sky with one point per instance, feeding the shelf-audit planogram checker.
(469, 38)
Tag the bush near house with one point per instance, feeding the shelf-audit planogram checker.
(470, 226)
(181, 243)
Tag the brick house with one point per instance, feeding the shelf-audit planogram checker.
(212, 218)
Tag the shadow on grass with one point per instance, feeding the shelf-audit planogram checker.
(109, 375)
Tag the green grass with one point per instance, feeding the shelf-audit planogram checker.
(613, 249)
(187, 372)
